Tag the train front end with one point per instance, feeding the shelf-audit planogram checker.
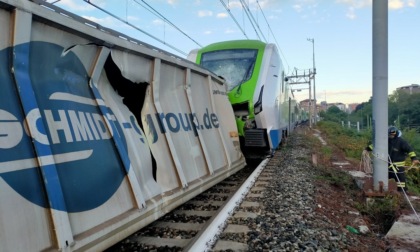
(253, 72)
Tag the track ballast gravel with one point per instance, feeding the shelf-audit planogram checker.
(287, 219)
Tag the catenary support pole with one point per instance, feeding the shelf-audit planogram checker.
(380, 92)
(290, 112)
(310, 105)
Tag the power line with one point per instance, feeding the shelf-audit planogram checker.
(269, 27)
(149, 8)
(252, 19)
(135, 27)
(249, 18)
(231, 15)
(156, 13)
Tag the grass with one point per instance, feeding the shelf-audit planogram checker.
(382, 212)
(336, 178)
(352, 144)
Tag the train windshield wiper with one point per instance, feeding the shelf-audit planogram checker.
(245, 78)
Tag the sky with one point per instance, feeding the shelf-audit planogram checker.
(341, 31)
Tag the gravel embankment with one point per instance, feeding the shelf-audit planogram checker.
(287, 219)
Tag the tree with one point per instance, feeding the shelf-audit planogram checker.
(403, 112)
(362, 114)
(334, 114)
(404, 109)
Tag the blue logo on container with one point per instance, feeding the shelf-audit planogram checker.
(69, 119)
(88, 165)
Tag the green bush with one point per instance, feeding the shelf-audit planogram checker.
(382, 211)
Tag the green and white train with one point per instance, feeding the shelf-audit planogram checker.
(264, 107)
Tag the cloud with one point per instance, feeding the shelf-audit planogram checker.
(395, 4)
(411, 3)
(133, 18)
(354, 5)
(333, 96)
(107, 21)
(400, 4)
(357, 4)
(308, 9)
(351, 13)
(229, 30)
(158, 22)
(234, 4)
(73, 6)
(222, 15)
(297, 7)
(205, 13)
(172, 2)
(266, 4)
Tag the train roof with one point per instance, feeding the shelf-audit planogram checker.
(235, 44)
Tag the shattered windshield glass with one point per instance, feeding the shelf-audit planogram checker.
(234, 65)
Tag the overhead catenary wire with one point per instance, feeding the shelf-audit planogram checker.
(152, 10)
(245, 6)
(234, 19)
(272, 33)
(135, 27)
(252, 20)
(159, 15)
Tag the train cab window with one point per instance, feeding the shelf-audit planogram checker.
(234, 65)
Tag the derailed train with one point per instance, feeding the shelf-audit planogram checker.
(263, 103)
(100, 134)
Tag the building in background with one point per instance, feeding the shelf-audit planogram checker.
(339, 105)
(352, 107)
(305, 104)
(411, 89)
(323, 106)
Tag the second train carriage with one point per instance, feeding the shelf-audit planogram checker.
(260, 97)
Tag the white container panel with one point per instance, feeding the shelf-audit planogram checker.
(24, 225)
(133, 66)
(84, 223)
(4, 26)
(137, 146)
(68, 41)
(210, 137)
(166, 173)
(177, 123)
(227, 128)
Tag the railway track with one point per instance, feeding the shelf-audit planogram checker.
(197, 223)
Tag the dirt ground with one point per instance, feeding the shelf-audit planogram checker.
(338, 203)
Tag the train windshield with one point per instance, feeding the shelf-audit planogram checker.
(235, 65)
